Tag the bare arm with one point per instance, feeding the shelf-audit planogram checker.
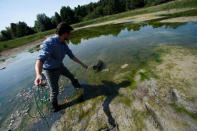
(75, 59)
(38, 69)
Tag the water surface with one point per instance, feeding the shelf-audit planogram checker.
(116, 45)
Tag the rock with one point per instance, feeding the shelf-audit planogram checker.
(124, 66)
(98, 66)
(175, 95)
(2, 68)
(154, 117)
(105, 70)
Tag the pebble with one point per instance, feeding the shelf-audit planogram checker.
(2, 68)
(124, 66)
(105, 70)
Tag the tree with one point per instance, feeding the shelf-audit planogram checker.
(20, 29)
(23, 29)
(155, 2)
(13, 27)
(128, 4)
(57, 18)
(6, 34)
(43, 23)
(80, 12)
(67, 15)
(122, 5)
(1, 37)
(133, 4)
(90, 7)
(53, 20)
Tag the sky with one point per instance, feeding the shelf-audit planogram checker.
(13, 11)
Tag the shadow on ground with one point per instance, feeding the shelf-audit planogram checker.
(108, 89)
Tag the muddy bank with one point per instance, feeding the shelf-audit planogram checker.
(14, 51)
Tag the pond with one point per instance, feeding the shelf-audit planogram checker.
(115, 45)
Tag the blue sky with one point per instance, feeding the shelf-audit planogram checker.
(26, 10)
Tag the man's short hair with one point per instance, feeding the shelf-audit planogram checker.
(63, 28)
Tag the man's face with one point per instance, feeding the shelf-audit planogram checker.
(67, 36)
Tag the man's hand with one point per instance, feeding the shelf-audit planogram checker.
(85, 66)
(81, 63)
(38, 80)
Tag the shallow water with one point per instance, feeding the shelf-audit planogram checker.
(114, 44)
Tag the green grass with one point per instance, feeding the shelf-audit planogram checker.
(124, 99)
(144, 76)
(192, 12)
(171, 5)
(166, 6)
(2, 60)
(182, 109)
(36, 48)
(24, 40)
(138, 118)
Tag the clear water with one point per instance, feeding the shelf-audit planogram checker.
(121, 45)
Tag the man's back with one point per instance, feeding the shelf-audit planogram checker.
(53, 51)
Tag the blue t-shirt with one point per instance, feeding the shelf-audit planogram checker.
(53, 51)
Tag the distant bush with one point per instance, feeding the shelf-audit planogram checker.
(16, 30)
(43, 23)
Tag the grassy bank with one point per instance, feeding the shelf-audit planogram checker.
(171, 5)
(166, 6)
(23, 40)
(192, 12)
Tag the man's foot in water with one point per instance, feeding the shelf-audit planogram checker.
(54, 107)
(78, 88)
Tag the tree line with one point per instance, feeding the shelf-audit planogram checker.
(71, 16)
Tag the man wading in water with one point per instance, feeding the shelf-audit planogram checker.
(51, 55)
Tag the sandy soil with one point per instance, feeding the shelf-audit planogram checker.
(179, 70)
(182, 19)
(14, 51)
(139, 18)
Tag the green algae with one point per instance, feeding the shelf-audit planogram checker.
(181, 109)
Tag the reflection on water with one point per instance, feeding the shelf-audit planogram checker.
(115, 44)
(115, 29)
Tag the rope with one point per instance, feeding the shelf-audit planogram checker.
(40, 96)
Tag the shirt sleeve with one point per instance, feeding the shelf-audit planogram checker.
(69, 53)
(45, 51)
